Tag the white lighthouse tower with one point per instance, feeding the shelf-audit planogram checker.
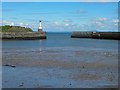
(40, 27)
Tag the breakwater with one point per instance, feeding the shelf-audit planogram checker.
(23, 35)
(97, 35)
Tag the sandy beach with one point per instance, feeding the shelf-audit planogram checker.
(60, 67)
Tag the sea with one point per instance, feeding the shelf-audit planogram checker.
(62, 40)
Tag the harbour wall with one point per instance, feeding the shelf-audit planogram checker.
(23, 35)
(97, 35)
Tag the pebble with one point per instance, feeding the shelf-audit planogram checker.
(21, 84)
(83, 67)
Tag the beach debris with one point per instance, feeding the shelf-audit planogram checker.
(83, 66)
(21, 84)
(9, 65)
(110, 77)
(6, 65)
(70, 84)
(13, 66)
(108, 54)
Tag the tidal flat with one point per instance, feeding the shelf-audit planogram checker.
(59, 67)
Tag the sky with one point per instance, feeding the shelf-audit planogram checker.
(62, 16)
(60, 0)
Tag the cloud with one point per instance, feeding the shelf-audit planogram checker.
(4, 22)
(59, 26)
(115, 20)
(38, 13)
(78, 12)
(0, 23)
(67, 20)
(81, 11)
(56, 23)
(104, 24)
(94, 24)
(100, 19)
(67, 24)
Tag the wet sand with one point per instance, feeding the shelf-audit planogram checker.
(60, 67)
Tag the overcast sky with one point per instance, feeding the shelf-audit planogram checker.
(62, 16)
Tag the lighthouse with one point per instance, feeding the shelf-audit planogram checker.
(40, 27)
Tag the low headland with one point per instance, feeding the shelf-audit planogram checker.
(20, 33)
(96, 35)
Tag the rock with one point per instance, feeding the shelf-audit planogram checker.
(109, 55)
(6, 81)
(13, 66)
(21, 84)
(83, 67)
(10, 65)
(6, 65)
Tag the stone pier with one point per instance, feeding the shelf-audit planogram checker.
(97, 35)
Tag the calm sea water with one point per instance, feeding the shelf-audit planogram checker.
(62, 40)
